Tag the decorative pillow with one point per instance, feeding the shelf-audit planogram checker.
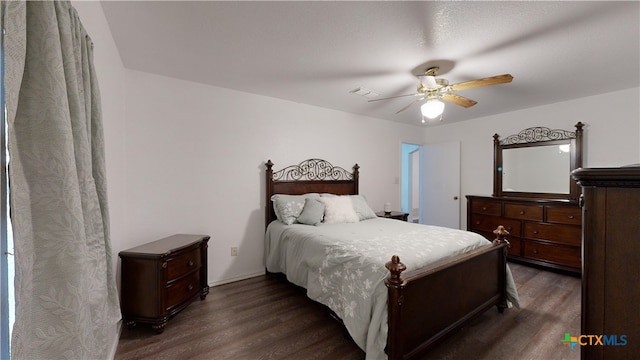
(312, 212)
(289, 207)
(362, 208)
(339, 209)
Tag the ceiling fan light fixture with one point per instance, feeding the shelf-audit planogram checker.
(432, 108)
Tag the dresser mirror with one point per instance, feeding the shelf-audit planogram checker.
(537, 163)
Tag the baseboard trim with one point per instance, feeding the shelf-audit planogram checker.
(114, 343)
(236, 278)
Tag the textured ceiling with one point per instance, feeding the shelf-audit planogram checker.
(316, 52)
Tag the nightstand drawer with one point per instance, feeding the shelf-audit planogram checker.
(523, 212)
(566, 234)
(183, 263)
(182, 289)
(564, 215)
(486, 207)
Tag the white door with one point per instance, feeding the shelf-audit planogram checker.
(441, 185)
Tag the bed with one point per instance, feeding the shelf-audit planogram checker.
(390, 309)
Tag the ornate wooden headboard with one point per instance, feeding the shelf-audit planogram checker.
(310, 176)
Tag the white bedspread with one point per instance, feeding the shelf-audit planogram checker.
(342, 266)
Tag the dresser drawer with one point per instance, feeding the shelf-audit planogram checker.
(523, 212)
(183, 263)
(182, 289)
(564, 215)
(486, 207)
(490, 223)
(516, 245)
(565, 234)
(563, 255)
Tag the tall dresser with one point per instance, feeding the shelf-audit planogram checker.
(611, 266)
(534, 197)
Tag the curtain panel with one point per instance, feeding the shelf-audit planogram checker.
(66, 298)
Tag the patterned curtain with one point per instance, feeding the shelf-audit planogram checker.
(66, 297)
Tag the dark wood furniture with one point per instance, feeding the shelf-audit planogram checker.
(611, 254)
(538, 202)
(541, 232)
(533, 139)
(398, 215)
(421, 310)
(161, 278)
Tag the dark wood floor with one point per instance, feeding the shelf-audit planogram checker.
(268, 318)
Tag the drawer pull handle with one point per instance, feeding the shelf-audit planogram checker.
(571, 216)
(164, 265)
(535, 231)
(478, 222)
(190, 263)
(535, 251)
(190, 287)
(521, 212)
(484, 208)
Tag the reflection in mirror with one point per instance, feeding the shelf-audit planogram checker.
(540, 169)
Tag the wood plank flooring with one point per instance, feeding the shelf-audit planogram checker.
(267, 318)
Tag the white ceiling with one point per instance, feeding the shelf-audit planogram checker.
(316, 52)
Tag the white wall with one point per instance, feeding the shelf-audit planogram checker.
(196, 153)
(610, 135)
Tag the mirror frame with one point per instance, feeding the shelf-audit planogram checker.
(539, 136)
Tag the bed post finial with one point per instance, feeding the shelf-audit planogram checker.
(356, 177)
(395, 267)
(268, 211)
(501, 232)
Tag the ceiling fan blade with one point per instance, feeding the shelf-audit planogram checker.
(459, 100)
(410, 105)
(394, 97)
(494, 80)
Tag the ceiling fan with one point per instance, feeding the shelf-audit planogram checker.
(435, 89)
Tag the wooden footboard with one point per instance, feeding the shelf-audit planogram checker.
(429, 303)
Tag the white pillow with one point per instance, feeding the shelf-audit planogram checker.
(339, 209)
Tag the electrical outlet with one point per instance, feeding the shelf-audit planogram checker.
(234, 251)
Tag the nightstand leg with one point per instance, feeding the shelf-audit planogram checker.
(205, 292)
(159, 328)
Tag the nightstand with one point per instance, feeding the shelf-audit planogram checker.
(161, 278)
(394, 215)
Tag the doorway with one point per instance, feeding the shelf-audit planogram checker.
(411, 185)
(430, 190)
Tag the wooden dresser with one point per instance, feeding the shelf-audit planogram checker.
(541, 232)
(161, 278)
(611, 253)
